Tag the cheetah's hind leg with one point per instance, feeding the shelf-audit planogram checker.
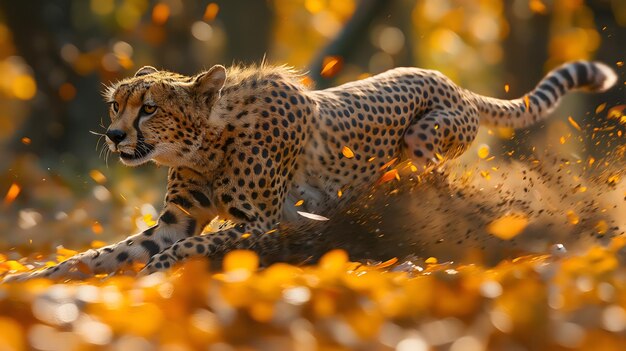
(439, 135)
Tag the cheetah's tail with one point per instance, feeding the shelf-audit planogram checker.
(536, 105)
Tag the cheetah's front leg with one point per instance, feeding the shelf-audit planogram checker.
(241, 236)
(108, 259)
(187, 210)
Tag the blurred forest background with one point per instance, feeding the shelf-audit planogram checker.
(56, 55)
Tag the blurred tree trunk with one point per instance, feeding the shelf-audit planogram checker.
(525, 53)
(248, 26)
(354, 32)
(525, 49)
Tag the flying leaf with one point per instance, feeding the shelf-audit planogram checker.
(312, 216)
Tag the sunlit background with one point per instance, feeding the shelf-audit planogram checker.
(56, 57)
(562, 177)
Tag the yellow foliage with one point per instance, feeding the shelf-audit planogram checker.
(507, 227)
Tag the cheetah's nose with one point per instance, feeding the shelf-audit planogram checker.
(116, 136)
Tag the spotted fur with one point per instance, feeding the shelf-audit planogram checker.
(247, 144)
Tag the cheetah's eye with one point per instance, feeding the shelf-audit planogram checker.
(115, 106)
(148, 109)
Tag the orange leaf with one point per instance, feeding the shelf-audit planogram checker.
(389, 262)
(388, 164)
(160, 13)
(507, 227)
(331, 66)
(573, 123)
(96, 244)
(431, 260)
(16, 266)
(347, 152)
(537, 6)
(527, 102)
(572, 217)
(241, 259)
(96, 227)
(211, 12)
(388, 176)
(14, 190)
(97, 176)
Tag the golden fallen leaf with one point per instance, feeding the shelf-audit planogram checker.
(12, 193)
(96, 227)
(573, 123)
(508, 226)
(483, 151)
(613, 180)
(347, 152)
(572, 217)
(241, 260)
(211, 12)
(431, 260)
(96, 244)
(147, 218)
(389, 262)
(16, 266)
(527, 102)
(97, 176)
(600, 107)
(11, 334)
(389, 175)
(388, 164)
(537, 6)
(331, 66)
(334, 260)
(160, 13)
(616, 111)
(61, 251)
(601, 227)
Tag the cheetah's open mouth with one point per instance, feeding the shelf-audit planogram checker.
(142, 151)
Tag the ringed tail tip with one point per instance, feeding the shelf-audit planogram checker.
(610, 77)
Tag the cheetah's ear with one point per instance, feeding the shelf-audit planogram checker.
(145, 70)
(211, 81)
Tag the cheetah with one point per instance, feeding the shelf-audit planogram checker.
(254, 146)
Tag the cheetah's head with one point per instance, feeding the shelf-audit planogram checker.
(161, 116)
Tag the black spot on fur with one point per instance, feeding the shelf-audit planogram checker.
(122, 256)
(168, 217)
(201, 198)
(237, 213)
(182, 202)
(151, 247)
